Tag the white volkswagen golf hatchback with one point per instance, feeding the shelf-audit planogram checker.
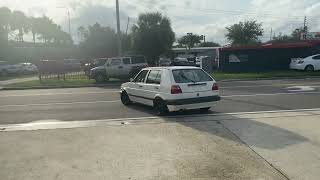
(171, 89)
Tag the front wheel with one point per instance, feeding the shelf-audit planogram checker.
(161, 107)
(125, 98)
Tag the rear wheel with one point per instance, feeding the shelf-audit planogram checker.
(125, 99)
(161, 107)
(309, 68)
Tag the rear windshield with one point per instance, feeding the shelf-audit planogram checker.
(138, 59)
(190, 76)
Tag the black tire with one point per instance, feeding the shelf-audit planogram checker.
(205, 109)
(125, 99)
(160, 107)
(100, 78)
(309, 68)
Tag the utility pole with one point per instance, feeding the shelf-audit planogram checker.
(118, 29)
(305, 28)
(69, 22)
(271, 34)
(128, 25)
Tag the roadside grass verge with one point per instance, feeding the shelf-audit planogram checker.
(54, 83)
(263, 75)
(3, 78)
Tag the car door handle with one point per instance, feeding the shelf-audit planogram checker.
(120, 67)
(156, 87)
(140, 86)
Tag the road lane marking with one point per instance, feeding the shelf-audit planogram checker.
(271, 85)
(274, 94)
(53, 94)
(62, 103)
(93, 102)
(103, 92)
(57, 124)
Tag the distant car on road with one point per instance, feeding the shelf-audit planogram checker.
(165, 62)
(119, 68)
(28, 68)
(172, 88)
(311, 63)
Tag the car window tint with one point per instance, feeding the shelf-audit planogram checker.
(190, 76)
(154, 77)
(126, 60)
(115, 62)
(141, 76)
(138, 59)
(316, 57)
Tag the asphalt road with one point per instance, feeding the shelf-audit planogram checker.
(103, 103)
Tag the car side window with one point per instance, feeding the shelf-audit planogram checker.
(126, 60)
(316, 57)
(115, 62)
(141, 76)
(154, 77)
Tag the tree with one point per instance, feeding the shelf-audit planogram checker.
(188, 41)
(5, 15)
(19, 22)
(98, 41)
(152, 36)
(35, 27)
(209, 44)
(244, 33)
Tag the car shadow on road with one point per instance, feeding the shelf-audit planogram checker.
(251, 131)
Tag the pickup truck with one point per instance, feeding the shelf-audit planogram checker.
(118, 67)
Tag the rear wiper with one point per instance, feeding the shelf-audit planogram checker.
(186, 78)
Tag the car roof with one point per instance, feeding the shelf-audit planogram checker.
(171, 68)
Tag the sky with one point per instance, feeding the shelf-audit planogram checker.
(203, 17)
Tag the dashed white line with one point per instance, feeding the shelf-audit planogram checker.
(63, 103)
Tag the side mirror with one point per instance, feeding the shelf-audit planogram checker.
(131, 79)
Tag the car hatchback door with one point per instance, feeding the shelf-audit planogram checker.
(194, 83)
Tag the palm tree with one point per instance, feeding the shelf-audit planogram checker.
(34, 26)
(19, 22)
(5, 14)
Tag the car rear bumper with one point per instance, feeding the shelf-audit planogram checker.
(297, 66)
(192, 103)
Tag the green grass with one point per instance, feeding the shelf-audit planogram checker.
(263, 75)
(53, 83)
(3, 78)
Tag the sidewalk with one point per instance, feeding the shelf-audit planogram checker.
(154, 148)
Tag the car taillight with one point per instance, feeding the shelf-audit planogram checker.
(300, 62)
(215, 87)
(175, 89)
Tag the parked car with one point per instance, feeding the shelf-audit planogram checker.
(119, 68)
(311, 63)
(165, 62)
(180, 61)
(28, 68)
(172, 88)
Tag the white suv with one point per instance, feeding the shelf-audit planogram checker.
(171, 89)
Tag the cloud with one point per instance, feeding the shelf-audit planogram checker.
(208, 17)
